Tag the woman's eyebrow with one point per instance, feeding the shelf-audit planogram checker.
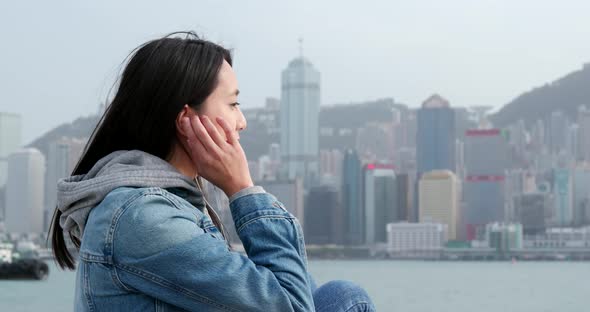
(235, 92)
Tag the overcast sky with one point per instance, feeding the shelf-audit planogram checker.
(58, 59)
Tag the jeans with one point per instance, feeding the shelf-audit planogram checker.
(341, 296)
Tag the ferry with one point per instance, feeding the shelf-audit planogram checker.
(22, 263)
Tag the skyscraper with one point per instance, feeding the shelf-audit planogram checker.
(563, 193)
(439, 197)
(435, 137)
(581, 202)
(537, 141)
(24, 191)
(380, 201)
(404, 197)
(10, 141)
(62, 157)
(558, 129)
(572, 141)
(486, 162)
(518, 137)
(331, 164)
(583, 134)
(300, 105)
(352, 198)
(324, 220)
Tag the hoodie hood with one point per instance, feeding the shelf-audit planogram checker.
(77, 195)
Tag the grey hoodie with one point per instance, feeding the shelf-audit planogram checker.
(77, 195)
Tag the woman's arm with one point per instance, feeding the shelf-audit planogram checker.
(159, 250)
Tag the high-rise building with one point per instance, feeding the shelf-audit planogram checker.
(62, 157)
(352, 179)
(460, 158)
(25, 191)
(405, 159)
(518, 181)
(380, 201)
(268, 165)
(572, 141)
(533, 210)
(518, 135)
(435, 137)
(410, 127)
(405, 184)
(439, 199)
(538, 135)
(10, 141)
(486, 162)
(325, 218)
(544, 161)
(581, 204)
(558, 129)
(563, 194)
(583, 134)
(275, 152)
(300, 107)
(331, 163)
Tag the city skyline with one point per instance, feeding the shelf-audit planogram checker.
(370, 168)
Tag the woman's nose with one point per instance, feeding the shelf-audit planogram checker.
(242, 123)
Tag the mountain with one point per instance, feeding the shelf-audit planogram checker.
(79, 128)
(565, 94)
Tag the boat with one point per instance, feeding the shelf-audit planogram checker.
(22, 263)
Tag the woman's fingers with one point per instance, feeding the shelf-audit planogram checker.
(196, 148)
(229, 133)
(203, 136)
(212, 130)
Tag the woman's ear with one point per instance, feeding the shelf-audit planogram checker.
(185, 112)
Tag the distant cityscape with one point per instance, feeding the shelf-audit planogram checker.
(373, 180)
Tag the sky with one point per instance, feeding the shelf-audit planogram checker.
(58, 59)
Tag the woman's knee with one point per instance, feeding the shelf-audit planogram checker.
(343, 296)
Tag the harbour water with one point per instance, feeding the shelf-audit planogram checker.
(408, 286)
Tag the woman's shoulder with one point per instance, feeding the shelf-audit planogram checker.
(143, 202)
(140, 208)
(151, 219)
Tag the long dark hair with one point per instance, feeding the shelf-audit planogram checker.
(161, 76)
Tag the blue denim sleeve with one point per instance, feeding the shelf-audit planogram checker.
(159, 250)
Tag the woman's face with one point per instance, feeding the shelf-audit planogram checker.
(223, 102)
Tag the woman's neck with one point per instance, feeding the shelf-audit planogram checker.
(182, 162)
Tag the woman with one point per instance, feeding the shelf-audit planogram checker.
(146, 239)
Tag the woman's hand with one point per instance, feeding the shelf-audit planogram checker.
(220, 162)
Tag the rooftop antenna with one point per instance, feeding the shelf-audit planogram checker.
(301, 47)
(481, 113)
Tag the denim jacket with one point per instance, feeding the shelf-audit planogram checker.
(147, 249)
(148, 245)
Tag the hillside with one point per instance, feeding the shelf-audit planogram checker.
(565, 94)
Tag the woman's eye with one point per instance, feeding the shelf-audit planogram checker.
(235, 104)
